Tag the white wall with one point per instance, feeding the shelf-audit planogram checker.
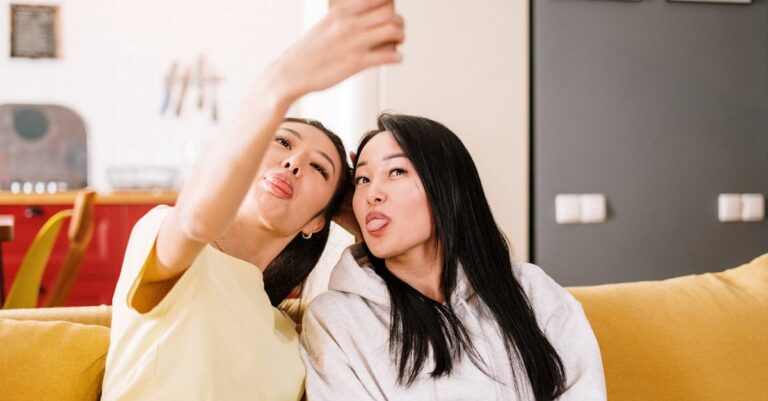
(466, 65)
(115, 55)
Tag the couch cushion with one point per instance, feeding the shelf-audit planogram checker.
(701, 337)
(51, 360)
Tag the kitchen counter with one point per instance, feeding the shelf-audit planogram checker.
(105, 198)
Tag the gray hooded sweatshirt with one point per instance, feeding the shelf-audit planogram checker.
(346, 351)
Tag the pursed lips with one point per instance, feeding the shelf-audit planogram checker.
(279, 185)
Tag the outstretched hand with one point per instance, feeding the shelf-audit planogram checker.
(352, 37)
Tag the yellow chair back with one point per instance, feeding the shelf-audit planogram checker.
(26, 284)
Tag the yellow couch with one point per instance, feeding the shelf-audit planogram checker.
(701, 337)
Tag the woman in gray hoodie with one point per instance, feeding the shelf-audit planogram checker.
(431, 306)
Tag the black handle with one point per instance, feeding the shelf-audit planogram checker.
(33, 211)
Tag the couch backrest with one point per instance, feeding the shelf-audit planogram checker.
(53, 353)
(701, 337)
(94, 315)
(102, 315)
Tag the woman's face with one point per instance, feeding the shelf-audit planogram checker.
(389, 202)
(295, 181)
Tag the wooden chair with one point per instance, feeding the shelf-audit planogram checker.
(26, 285)
(80, 233)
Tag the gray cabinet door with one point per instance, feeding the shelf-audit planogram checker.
(660, 106)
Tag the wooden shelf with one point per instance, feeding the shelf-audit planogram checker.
(106, 198)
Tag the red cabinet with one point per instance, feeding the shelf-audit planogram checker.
(98, 275)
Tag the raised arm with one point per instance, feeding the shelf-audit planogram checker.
(346, 41)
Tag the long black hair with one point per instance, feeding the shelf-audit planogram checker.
(293, 264)
(467, 234)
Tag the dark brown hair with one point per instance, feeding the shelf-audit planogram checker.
(291, 267)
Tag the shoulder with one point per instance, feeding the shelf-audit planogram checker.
(333, 306)
(531, 276)
(142, 239)
(137, 252)
(338, 314)
(544, 294)
(151, 221)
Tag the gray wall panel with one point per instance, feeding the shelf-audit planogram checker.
(661, 107)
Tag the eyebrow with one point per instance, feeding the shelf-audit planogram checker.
(320, 152)
(385, 158)
(292, 131)
(326, 157)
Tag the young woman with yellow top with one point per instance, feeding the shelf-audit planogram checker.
(193, 311)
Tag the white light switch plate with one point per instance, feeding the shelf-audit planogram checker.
(593, 208)
(567, 209)
(752, 207)
(729, 207)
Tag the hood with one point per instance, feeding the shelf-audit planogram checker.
(354, 274)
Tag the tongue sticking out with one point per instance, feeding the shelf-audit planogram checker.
(376, 224)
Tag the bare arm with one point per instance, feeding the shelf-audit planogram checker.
(346, 41)
(211, 197)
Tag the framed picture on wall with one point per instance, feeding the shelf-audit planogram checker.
(34, 31)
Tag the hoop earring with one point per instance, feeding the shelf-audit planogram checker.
(306, 236)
